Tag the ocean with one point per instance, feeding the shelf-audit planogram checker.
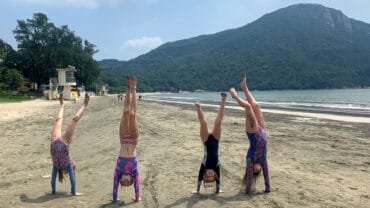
(354, 102)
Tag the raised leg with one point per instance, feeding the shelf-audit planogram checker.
(255, 106)
(133, 127)
(71, 126)
(216, 131)
(57, 130)
(251, 123)
(123, 129)
(203, 124)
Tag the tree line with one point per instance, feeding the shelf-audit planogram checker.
(43, 47)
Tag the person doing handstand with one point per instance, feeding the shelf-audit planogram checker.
(59, 147)
(126, 171)
(256, 157)
(210, 167)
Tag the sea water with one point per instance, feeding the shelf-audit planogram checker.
(338, 101)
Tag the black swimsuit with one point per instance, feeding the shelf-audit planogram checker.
(210, 160)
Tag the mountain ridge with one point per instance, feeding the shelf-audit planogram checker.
(302, 46)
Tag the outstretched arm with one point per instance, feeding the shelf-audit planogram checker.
(136, 184)
(115, 183)
(266, 175)
(249, 175)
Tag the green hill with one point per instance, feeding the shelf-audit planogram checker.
(303, 46)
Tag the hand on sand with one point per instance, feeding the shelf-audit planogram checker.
(242, 191)
(194, 192)
(219, 192)
(243, 83)
(137, 200)
(87, 98)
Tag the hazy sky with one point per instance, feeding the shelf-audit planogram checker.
(124, 29)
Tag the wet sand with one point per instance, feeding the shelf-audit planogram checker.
(313, 161)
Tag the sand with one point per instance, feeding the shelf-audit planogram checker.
(313, 161)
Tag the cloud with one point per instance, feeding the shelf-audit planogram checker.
(91, 4)
(136, 47)
(143, 43)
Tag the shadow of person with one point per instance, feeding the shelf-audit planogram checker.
(190, 201)
(112, 204)
(44, 198)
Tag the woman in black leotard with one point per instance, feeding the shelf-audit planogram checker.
(210, 166)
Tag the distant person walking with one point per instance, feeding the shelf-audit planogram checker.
(255, 128)
(126, 171)
(210, 167)
(59, 147)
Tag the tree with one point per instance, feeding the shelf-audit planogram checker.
(43, 47)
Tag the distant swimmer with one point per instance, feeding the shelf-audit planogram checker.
(256, 157)
(59, 148)
(210, 167)
(126, 172)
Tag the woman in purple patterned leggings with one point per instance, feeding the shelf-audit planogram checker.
(59, 147)
(256, 157)
(126, 171)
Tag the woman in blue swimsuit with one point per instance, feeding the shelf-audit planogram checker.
(256, 157)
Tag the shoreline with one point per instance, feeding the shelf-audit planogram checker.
(348, 117)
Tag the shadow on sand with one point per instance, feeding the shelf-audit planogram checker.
(190, 201)
(44, 198)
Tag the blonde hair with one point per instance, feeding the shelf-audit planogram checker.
(60, 173)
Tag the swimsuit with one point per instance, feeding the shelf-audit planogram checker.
(127, 139)
(210, 160)
(257, 153)
(126, 166)
(60, 155)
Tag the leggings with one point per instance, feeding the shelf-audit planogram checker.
(126, 165)
(71, 178)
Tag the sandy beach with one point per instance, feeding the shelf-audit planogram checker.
(313, 161)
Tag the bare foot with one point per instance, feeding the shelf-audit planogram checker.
(194, 192)
(61, 99)
(233, 93)
(197, 104)
(133, 81)
(243, 83)
(87, 98)
(223, 95)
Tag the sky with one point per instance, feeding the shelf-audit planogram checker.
(125, 29)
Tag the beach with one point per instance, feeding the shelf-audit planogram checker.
(314, 161)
